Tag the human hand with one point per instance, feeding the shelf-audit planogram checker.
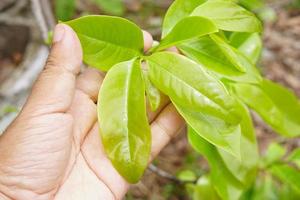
(53, 149)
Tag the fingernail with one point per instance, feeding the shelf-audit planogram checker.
(59, 33)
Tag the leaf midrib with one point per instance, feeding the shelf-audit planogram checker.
(189, 86)
(127, 91)
(110, 43)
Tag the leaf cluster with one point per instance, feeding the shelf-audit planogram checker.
(213, 83)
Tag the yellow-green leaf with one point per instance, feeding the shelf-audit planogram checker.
(123, 122)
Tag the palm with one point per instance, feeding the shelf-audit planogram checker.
(83, 178)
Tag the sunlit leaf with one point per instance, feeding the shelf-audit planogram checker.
(294, 157)
(107, 40)
(263, 188)
(187, 29)
(187, 83)
(227, 186)
(274, 153)
(228, 16)
(278, 106)
(122, 119)
(204, 190)
(177, 11)
(250, 44)
(213, 130)
(153, 94)
(215, 56)
(287, 174)
(243, 168)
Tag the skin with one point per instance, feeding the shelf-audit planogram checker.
(53, 149)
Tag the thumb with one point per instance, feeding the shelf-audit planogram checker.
(54, 88)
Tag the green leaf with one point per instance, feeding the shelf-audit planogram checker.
(294, 157)
(114, 7)
(107, 40)
(228, 16)
(274, 153)
(229, 52)
(204, 190)
(287, 175)
(250, 44)
(122, 118)
(191, 86)
(153, 94)
(64, 9)
(288, 193)
(227, 186)
(186, 29)
(213, 129)
(243, 168)
(177, 11)
(277, 106)
(187, 176)
(252, 4)
(264, 188)
(215, 57)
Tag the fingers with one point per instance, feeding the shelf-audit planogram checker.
(54, 89)
(148, 41)
(165, 127)
(94, 154)
(83, 108)
(89, 83)
(153, 114)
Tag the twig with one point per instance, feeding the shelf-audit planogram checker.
(39, 16)
(6, 4)
(164, 174)
(7, 19)
(19, 5)
(48, 14)
(10, 15)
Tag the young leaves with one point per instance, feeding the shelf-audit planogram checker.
(279, 107)
(249, 44)
(203, 189)
(107, 40)
(294, 157)
(273, 154)
(188, 84)
(287, 175)
(228, 16)
(177, 11)
(243, 168)
(122, 118)
(186, 29)
(214, 130)
(153, 94)
(218, 56)
(227, 186)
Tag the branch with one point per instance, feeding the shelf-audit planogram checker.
(38, 14)
(19, 5)
(167, 175)
(48, 14)
(7, 19)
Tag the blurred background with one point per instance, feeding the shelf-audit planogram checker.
(24, 27)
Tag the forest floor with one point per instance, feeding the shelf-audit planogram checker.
(280, 62)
